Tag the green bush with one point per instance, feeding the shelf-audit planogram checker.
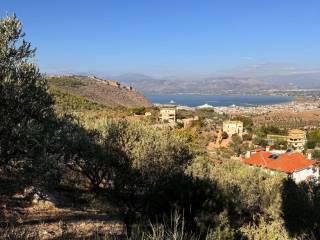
(66, 82)
(67, 102)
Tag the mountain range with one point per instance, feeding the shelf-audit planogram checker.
(249, 79)
(222, 84)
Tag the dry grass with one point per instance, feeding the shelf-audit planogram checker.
(289, 119)
(174, 229)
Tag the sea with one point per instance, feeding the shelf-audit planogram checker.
(193, 100)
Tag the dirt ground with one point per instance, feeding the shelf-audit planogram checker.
(64, 218)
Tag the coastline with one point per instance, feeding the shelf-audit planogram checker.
(291, 106)
(196, 100)
(294, 105)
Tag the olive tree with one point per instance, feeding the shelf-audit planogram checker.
(26, 108)
(95, 156)
(124, 154)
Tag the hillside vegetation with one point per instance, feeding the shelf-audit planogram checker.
(104, 92)
(68, 102)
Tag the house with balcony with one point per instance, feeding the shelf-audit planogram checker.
(297, 139)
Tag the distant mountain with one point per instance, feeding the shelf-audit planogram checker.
(207, 85)
(223, 84)
(296, 80)
(106, 92)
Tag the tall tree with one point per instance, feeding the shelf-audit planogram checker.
(26, 107)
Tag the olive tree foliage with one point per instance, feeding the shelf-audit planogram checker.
(247, 192)
(93, 155)
(26, 108)
(155, 152)
(128, 159)
(274, 230)
(118, 153)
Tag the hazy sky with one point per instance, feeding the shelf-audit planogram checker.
(168, 36)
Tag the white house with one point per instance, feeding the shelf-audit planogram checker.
(168, 114)
(233, 127)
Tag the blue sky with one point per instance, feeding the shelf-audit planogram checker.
(169, 37)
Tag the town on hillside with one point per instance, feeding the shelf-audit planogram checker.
(290, 151)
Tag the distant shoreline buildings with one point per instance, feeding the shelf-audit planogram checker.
(292, 106)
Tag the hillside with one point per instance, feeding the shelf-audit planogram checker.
(289, 119)
(68, 102)
(104, 92)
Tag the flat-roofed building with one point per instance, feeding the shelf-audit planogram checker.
(168, 114)
(232, 127)
(297, 139)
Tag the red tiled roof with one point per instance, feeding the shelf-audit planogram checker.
(286, 162)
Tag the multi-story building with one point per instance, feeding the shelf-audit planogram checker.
(168, 114)
(233, 127)
(296, 139)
